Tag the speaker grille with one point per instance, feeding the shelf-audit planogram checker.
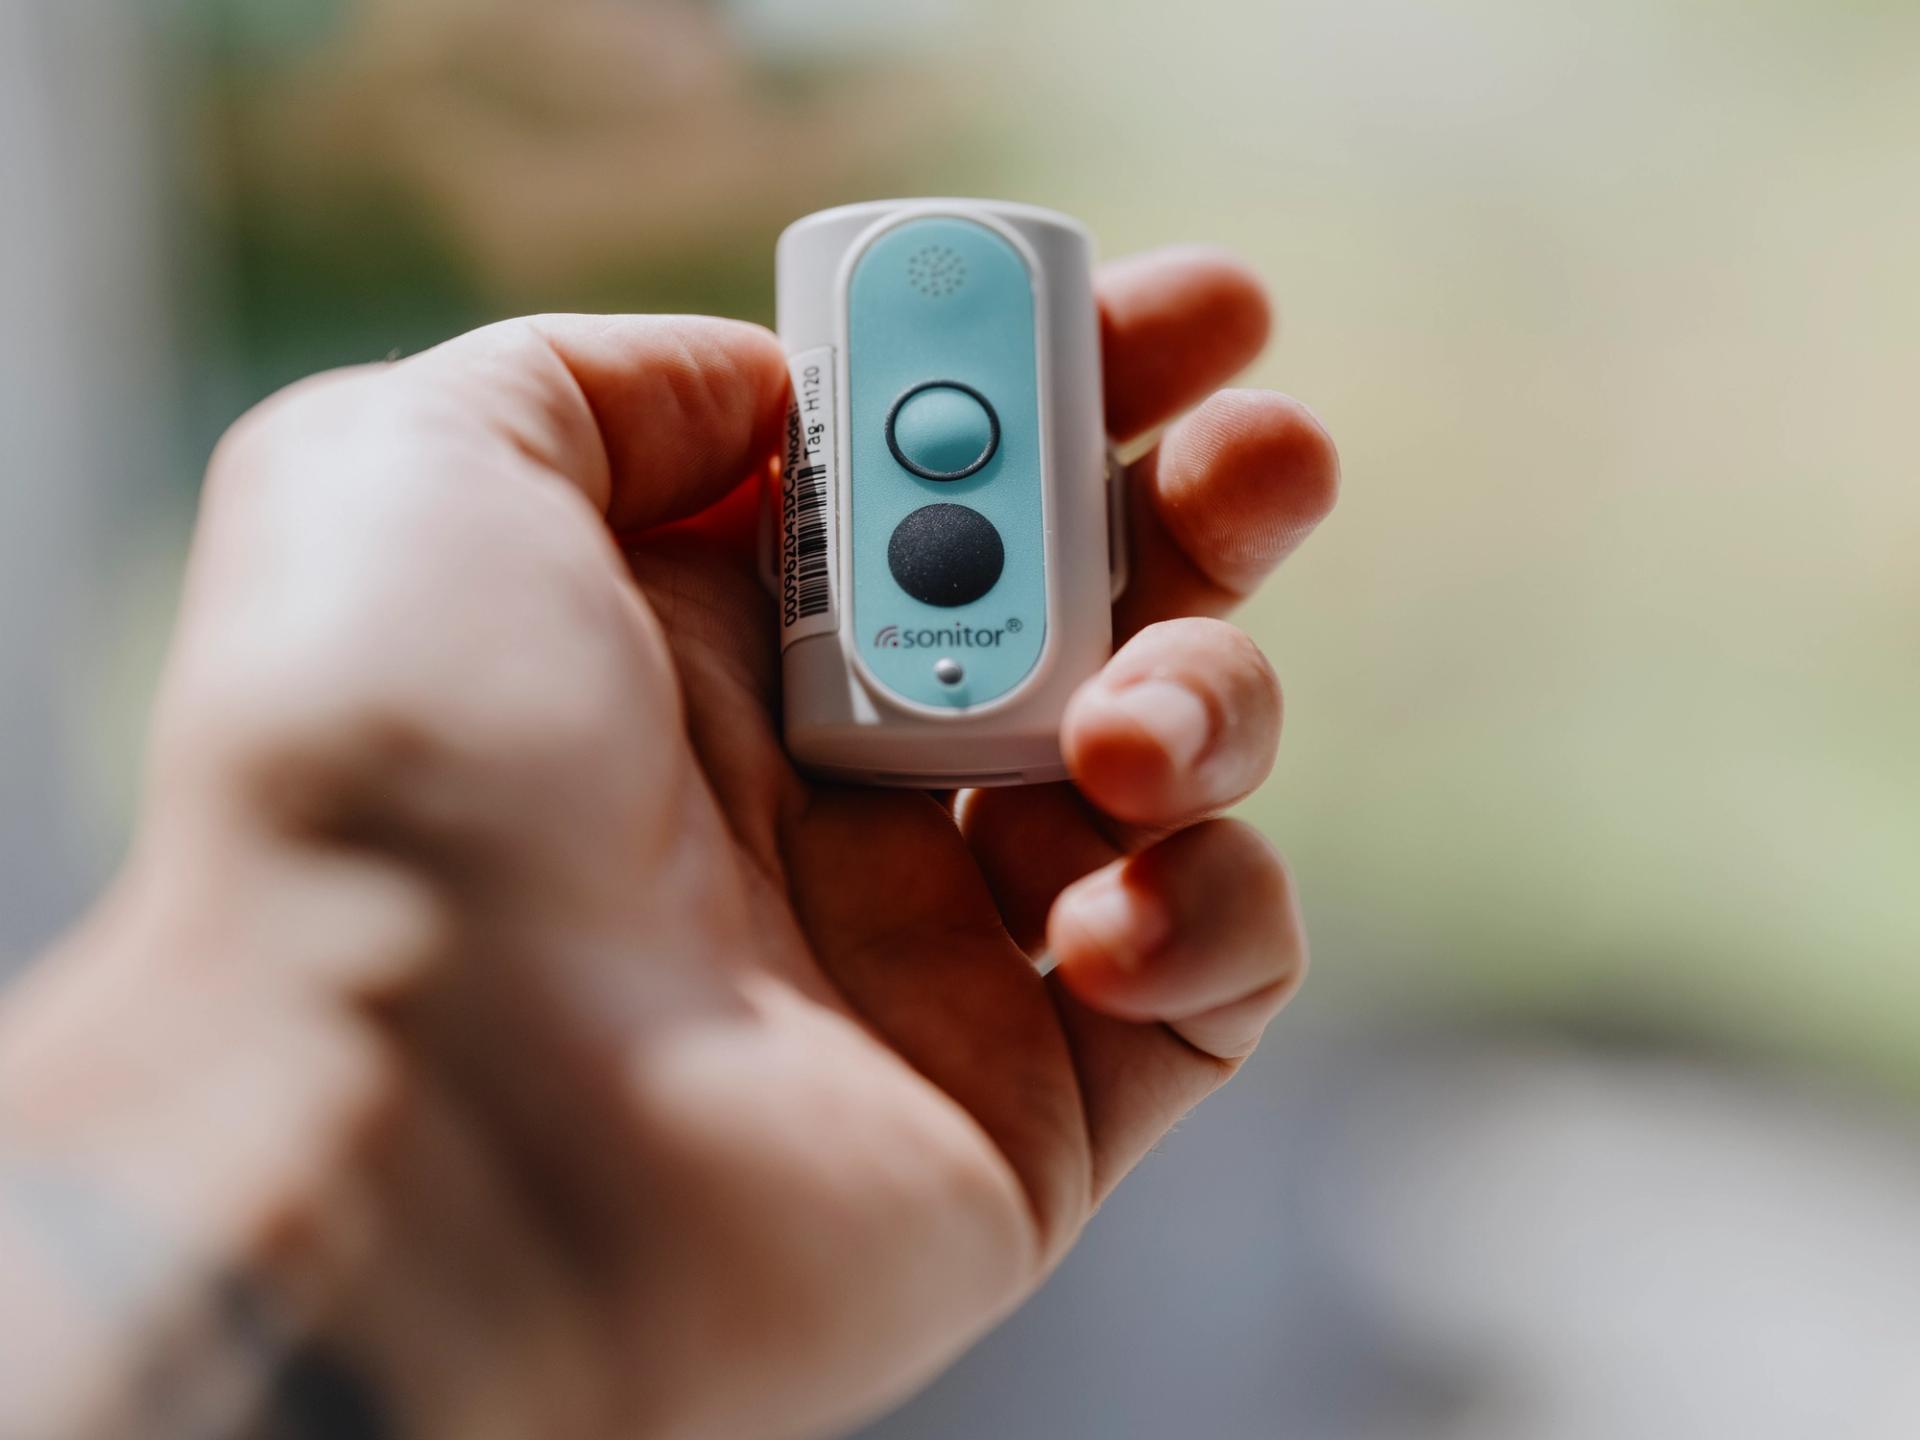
(936, 271)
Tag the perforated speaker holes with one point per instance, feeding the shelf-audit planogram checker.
(936, 271)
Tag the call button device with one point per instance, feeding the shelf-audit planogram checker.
(946, 542)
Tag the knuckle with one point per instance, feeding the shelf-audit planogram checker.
(1242, 655)
(1264, 873)
(250, 445)
(1232, 852)
(371, 630)
(534, 398)
(1261, 680)
(336, 751)
(1266, 915)
(1255, 472)
(331, 768)
(371, 709)
(1315, 457)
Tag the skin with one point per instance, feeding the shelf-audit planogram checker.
(492, 1034)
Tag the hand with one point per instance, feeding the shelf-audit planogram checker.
(498, 1003)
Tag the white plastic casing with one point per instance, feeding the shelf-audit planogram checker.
(840, 720)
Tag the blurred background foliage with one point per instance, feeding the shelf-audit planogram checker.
(1603, 681)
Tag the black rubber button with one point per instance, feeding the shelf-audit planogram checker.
(946, 555)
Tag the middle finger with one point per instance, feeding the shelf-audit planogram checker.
(1183, 722)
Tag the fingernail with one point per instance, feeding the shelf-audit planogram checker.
(1125, 924)
(1173, 715)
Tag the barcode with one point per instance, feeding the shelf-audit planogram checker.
(812, 591)
(808, 516)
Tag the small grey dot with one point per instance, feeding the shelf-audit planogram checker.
(948, 672)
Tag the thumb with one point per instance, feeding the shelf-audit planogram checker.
(654, 417)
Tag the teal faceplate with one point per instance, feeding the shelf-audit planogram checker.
(945, 299)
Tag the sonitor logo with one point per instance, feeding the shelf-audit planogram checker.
(952, 637)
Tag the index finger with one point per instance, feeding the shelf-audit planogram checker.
(1175, 323)
(1232, 490)
(1236, 484)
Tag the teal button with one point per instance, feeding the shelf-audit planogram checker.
(943, 430)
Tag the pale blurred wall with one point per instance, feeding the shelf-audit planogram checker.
(84, 407)
(1605, 677)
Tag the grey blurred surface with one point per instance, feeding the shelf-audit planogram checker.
(1478, 1237)
(84, 368)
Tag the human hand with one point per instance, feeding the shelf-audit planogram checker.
(663, 1089)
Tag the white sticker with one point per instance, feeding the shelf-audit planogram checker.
(809, 548)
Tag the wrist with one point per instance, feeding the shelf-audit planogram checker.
(230, 1186)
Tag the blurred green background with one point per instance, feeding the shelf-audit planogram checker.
(1603, 682)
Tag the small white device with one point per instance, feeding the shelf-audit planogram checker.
(948, 533)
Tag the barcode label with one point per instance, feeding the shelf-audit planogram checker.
(808, 515)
